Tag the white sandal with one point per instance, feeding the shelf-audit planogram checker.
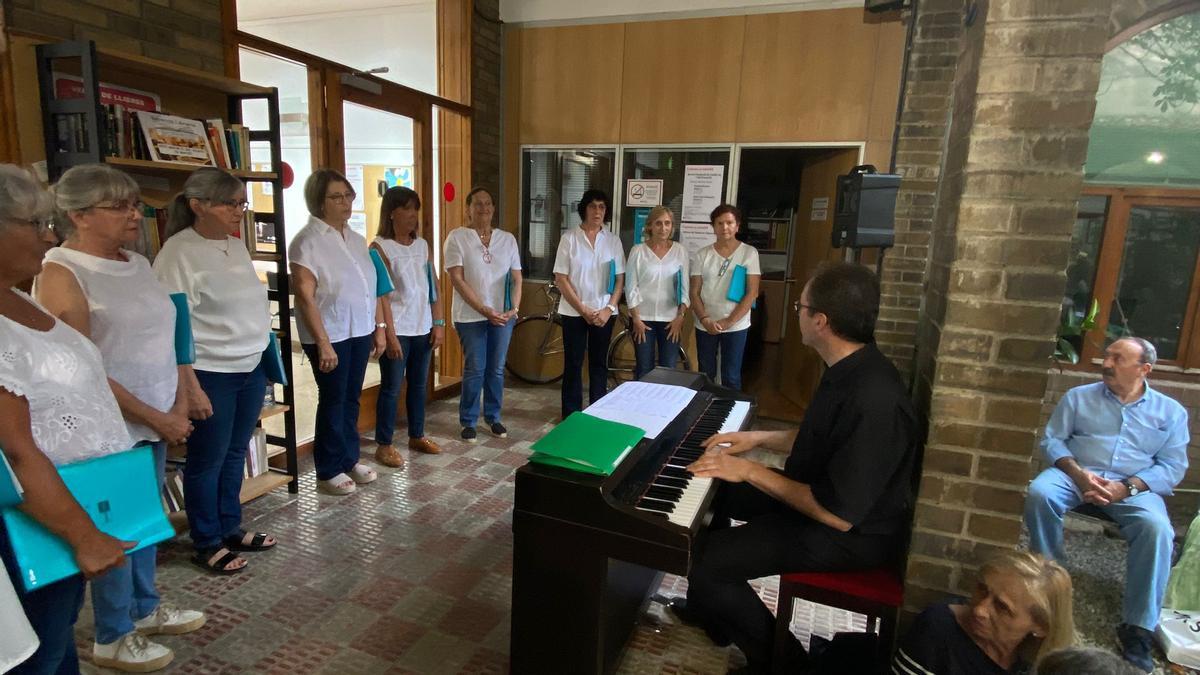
(362, 474)
(339, 485)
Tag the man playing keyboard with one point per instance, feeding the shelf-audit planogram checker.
(843, 498)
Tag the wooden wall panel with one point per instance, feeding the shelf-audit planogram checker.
(885, 93)
(571, 84)
(680, 81)
(806, 76)
(510, 157)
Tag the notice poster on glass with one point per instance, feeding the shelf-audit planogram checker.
(354, 174)
(695, 236)
(702, 191)
(358, 223)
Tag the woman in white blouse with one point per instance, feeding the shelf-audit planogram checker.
(721, 309)
(415, 325)
(48, 373)
(657, 293)
(230, 324)
(110, 294)
(484, 265)
(589, 269)
(340, 325)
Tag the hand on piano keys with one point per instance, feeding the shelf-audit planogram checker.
(729, 468)
(732, 443)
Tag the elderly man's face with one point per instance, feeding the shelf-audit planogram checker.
(1122, 368)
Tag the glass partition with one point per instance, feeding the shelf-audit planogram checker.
(694, 181)
(552, 183)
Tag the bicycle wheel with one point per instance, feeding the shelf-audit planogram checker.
(535, 353)
(621, 359)
(622, 362)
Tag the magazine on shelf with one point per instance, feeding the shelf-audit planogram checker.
(176, 139)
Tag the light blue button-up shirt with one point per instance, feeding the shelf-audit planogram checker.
(1147, 438)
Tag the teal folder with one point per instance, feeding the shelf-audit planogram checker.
(737, 285)
(273, 361)
(185, 345)
(433, 296)
(508, 284)
(11, 492)
(383, 280)
(679, 291)
(612, 276)
(121, 494)
(586, 444)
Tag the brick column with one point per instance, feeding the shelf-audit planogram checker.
(1009, 183)
(486, 74)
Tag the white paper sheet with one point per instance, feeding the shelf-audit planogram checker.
(649, 407)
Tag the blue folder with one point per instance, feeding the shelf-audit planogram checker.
(273, 361)
(508, 284)
(185, 345)
(679, 292)
(383, 280)
(121, 494)
(11, 492)
(737, 285)
(433, 296)
(612, 277)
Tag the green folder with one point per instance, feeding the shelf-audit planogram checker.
(383, 280)
(586, 444)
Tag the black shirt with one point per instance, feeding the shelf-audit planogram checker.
(937, 645)
(857, 444)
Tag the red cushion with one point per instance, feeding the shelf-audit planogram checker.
(878, 585)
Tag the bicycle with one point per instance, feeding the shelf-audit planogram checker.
(621, 358)
(545, 364)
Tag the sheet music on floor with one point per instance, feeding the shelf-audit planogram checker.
(649, 407)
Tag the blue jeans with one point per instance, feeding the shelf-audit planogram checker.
(1144, 524)
(335, 443)
(582, 338)
(216, 454)
(656, 338)
(52, 611)
(485, 348)
(416, 351)
(127, 593)
(732, 347)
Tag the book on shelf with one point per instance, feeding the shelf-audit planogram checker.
(256, 454)
(152, 233)
(173, 488)
(175, 139)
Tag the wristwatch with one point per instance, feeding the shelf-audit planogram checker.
(439, 322)
(1134, 490)
(611, 308)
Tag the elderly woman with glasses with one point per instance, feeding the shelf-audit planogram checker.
(48, 372)
(341, 325)
(231, 323)
(110, 294)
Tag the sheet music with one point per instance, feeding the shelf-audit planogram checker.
(649, 407)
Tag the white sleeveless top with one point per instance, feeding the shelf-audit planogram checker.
(72, 410)
(132, 321)
(411, 311)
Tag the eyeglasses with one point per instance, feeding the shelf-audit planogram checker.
(797, 306)
(724, 267)
(42, 226)
(123, 205)
(231, 203)
(346, 197)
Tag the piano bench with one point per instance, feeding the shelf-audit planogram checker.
(877, 593)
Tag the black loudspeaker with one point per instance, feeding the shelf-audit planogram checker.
(865, 210)
(885, 5)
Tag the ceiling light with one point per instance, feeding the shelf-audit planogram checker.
(1155, 157)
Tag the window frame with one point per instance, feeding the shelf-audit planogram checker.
(1121, 200)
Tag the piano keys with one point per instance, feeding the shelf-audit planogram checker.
(589, 550)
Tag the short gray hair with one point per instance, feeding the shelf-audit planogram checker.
(22, 198)
(85, 186)
(206, 184)
(1149, 353)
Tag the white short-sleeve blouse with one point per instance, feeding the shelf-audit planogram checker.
(587, 266)
(464, 249)
(650, 282)
(345, 277)
(716, 271)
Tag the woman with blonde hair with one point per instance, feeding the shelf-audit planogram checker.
(1019, 612)
(657, 293)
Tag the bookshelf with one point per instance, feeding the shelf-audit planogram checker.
(770, 231)
(98, 74)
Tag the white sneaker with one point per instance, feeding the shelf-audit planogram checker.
(170, 621)
(132, 653)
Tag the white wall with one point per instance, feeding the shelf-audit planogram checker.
(589, 11)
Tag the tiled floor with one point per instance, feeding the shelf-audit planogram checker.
(412, 574)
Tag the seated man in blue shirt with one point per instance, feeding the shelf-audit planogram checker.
(1122, 446)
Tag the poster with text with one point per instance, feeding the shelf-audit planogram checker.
(702, 191)
(695, 236)
(354, 174)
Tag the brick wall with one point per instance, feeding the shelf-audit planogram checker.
(485, 94)
(185, 32)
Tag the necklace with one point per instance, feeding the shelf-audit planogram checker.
(487, 253)
(222, 250)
